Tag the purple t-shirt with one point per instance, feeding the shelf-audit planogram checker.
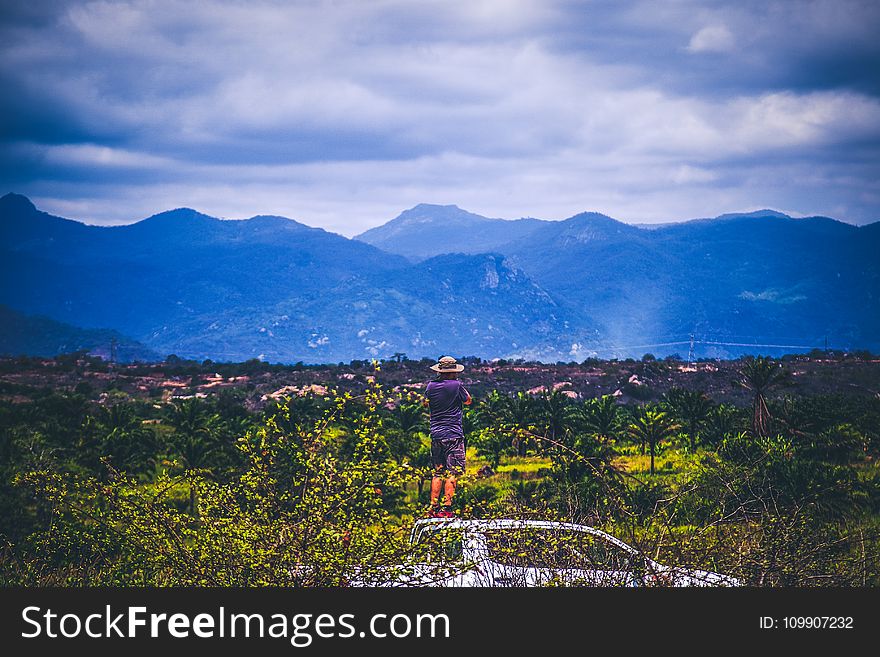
(445, 398)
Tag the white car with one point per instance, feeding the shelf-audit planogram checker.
(452, 552)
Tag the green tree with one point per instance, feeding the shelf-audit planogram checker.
(195, 439)
(552, 415)
(298, 414)
(761, 375)
(493, 438)
(721, 421)
(652, 426)
(691, 409)
(584, 482)
(521, 413)
(598, 417)
(124, 440)
(405, 424)
(196, 428)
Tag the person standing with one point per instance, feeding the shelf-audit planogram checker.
(445, 397)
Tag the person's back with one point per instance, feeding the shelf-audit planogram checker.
(445, 399)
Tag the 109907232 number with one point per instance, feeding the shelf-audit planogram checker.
(817, 622)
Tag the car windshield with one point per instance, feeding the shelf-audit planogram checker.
(531, 547)
(439, 545)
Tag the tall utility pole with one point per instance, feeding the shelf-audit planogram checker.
(691, 353)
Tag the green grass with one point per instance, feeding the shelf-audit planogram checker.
(524, 464)
(669, 461)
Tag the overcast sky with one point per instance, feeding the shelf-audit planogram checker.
(341, 114)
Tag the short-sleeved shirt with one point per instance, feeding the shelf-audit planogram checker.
(445, 398)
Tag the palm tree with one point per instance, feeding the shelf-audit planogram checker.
(406, 421)
(490, 416)
(521, 415)
(652, 426)
(760, 375)
(124, 439)
(691, 408)
(195, 438)
(195, 430)
(598, 417)
(720, 422)
(491, 412)
(553, 414)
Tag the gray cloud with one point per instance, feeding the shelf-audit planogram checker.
(342, 114)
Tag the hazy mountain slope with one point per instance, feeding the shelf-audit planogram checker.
(172, 265)
(455, 304)
(40, 336)
(761, 277)
(428, 230)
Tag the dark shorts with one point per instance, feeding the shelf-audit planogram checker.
(448, 454)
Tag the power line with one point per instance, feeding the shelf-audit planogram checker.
(645, 346)
(696, 341)
(754, 344)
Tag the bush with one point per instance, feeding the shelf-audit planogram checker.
(295, 515)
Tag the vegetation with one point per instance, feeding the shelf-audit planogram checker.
(652, 426)
(760, 375)
(101, 485)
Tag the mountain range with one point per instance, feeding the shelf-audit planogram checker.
(439, 279)
(733, 282)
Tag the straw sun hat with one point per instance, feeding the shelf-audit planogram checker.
(447, 364)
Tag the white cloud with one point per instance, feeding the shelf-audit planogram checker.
(712, 38)
(787, 119)
(343, 114)
(686, 174)
(94, 155)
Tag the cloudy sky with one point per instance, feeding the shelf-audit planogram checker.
(343, 113)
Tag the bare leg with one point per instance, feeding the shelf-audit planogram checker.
(449, 491)
(436, 485)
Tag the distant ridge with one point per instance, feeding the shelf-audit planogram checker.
(428, 230)
(449, 281)
(40, 336)
(756, 213)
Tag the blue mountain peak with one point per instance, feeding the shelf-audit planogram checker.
(16, 204)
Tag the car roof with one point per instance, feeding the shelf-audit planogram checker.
(511, 523)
